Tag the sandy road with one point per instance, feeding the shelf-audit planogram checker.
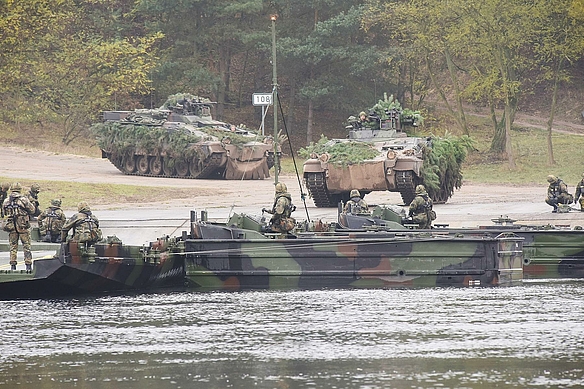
(470, 206)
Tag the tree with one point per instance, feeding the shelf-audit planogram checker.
(325, 55)
(561, 42)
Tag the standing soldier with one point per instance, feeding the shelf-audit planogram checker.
(580, 192)
(557, 193)
(18, 210)
(51, 221)
(281, 210)
(356, 205)
(85, 227)
(33, 197)
(421, 208)
(3, 194)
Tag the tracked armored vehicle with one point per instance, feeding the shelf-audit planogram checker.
(396, 166)
(387, 159)
(181, 139)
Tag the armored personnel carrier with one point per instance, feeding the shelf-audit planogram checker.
(378, 155)
(181, 139)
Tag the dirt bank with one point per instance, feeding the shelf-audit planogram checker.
(470, 206)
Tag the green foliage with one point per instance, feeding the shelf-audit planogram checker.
(442, 169)
(390, 103)
(343, 152)
(120, 139)
(173, 100)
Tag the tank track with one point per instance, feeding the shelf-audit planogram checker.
(406, 185)
(206, 172)
(316, 184)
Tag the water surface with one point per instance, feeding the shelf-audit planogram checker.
(525, 336)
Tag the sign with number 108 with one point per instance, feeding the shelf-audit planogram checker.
(262, 99)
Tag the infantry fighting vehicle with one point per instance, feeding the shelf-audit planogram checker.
(181, 139)
(389, 159)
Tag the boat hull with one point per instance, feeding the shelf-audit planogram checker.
(357, 261)
(108, 268)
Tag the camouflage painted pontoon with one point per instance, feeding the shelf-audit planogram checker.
(238, 255)
(107, 267)
(549, 251)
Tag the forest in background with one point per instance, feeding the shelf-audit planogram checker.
(62, 62)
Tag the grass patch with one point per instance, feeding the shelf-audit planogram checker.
(531, 157)
(71, 193)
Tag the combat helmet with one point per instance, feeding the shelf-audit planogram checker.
(281, 188)
(35, 188)
(83, 207)
(420, 190)
(551, 178)
(15, 187)
(5, 186)
(56, 202)
(362, 113)
(354, 193)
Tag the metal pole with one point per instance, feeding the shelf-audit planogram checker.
(263, 116)
(275, 97)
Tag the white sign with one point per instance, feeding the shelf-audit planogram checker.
(262, 99)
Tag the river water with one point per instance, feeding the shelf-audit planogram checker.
(528, 336)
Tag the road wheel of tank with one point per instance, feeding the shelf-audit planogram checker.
(142, 164)
(196, 167)
(156, 166)
(129, 163)
(168, 166)
(182, 167)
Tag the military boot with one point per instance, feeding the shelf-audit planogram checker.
(28, 268)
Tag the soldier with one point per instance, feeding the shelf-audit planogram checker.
(18, 210)
(281, 220)
(363, 120)
(580, 191)
(33, 197)
(557, 193)
(85, 227)
(356, 205)
(3, 194)
(51, 221)
(421, 208)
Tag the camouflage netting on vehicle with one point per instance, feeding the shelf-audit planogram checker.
(390, 103)
(442, 169)
(174, 100)
(121, 138)
(342, 152)
(441, 172)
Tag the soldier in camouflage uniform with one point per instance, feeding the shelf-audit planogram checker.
(421, 208)
(356, 205)
(33, 197)
(51, 221)
(85, 227)
(281, 220)
(3, 194)
(557, 193)
(18, 210)
(579, 195)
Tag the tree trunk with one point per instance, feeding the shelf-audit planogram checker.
(498, 142)
(460, 117)
(508, 147)
(309, 124)
(550, 147)
(441, 91)
(290, 118)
